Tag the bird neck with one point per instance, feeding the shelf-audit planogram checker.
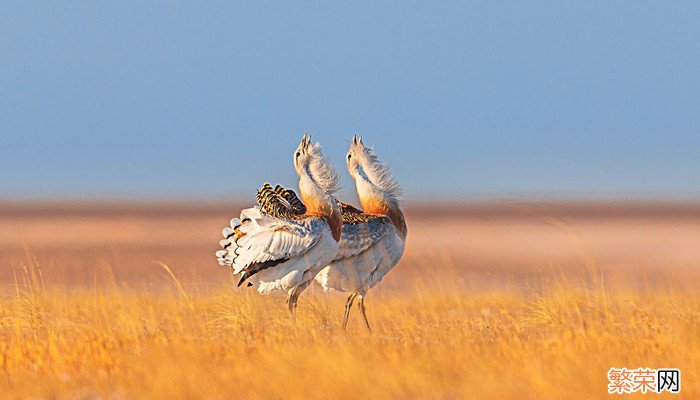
(376, 202)
(319, 203)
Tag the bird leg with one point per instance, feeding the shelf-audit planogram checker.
(292, 303)
(348, 305)
(361, 305)
(294, 296)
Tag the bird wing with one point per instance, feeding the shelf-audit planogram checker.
(293, 200)
(280, 202)
(255, 241)
(352, 215)
(359, 236)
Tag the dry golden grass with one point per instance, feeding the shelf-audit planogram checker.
(552, 332)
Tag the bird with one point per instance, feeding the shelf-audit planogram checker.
(373, 240)
(283, 249)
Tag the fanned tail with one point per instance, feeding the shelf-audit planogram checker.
(276, 202)
(227, 256)
(252, 229)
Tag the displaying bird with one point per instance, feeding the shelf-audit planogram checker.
(373, 240)
(281, 244)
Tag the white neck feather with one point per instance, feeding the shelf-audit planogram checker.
(314, 197)
(374, 179)
(366, 189)
(322, 172)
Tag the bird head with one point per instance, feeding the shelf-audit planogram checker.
(357, 153)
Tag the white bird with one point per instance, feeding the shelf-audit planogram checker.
(373, 241)
(284, 252)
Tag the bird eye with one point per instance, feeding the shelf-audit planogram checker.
(298, 154)
(349, 156)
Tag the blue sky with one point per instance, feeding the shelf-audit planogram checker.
(206, 100)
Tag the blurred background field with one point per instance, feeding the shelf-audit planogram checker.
(489, 244)
(492, 299)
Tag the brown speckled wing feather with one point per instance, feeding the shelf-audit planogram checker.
(352, 215)
(279, 202)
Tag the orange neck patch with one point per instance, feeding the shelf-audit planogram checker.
(379, 206)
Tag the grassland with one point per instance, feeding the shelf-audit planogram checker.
(514, 301)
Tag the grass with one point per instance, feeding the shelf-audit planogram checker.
(429, 340)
